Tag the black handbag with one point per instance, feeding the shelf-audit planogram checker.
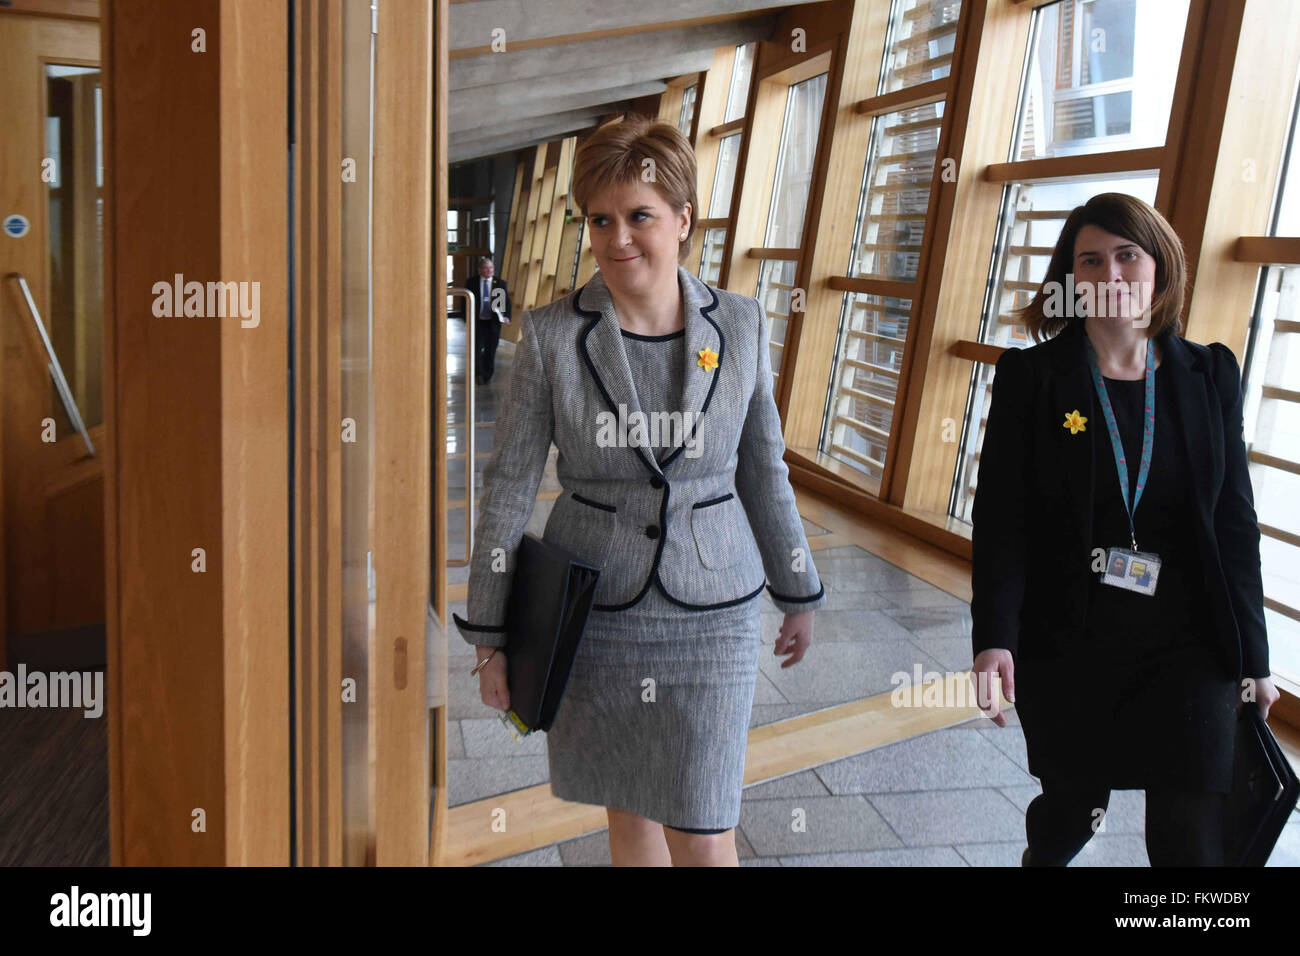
(1264, 793)
(550, 598)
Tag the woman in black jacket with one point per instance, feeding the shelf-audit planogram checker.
(1115, 554)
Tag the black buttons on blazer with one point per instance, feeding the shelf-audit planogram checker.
(652, 531)
(656, 481)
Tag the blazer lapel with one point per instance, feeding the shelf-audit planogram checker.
(1071, 390)
(702, 332)
(601, 344)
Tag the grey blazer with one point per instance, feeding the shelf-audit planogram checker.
(709, 517)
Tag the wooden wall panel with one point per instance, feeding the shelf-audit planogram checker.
(197, 435)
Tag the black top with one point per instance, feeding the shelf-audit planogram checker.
(653, 338)
(1124, 623)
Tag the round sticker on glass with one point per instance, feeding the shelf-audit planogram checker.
(16, 226)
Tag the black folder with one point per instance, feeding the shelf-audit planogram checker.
(1264, 793)
(550, 598)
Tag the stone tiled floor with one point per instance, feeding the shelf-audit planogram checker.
(955, 797)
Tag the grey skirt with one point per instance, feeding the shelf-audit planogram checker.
(655, 716)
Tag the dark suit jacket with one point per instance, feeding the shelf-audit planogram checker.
(474, 283)
(1031, 546)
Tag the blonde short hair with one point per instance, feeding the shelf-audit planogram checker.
(615, 156)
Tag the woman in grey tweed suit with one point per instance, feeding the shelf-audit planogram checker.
(657, 390)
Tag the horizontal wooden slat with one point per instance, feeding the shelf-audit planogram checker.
(889, 288)
(858, 456)
(726, 129)
(1281, 394)
(977, 351)
(1286, 610)
(878, 433)
(1273, 462)
(759, 252)
(1280, 534)
(866, 396)
(902, 99)
(1088, 164)
(875, 337)
(1270, 250)
(871, 367)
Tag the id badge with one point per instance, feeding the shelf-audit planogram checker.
(1131, 570)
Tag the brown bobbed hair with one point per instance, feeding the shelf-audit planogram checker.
(1132, 219)
(615, 154)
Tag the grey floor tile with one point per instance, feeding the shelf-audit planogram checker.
(860, 575)
(911, 856)
(925, 595)
(1010, 740)
(543, 856)
(950, 817)
(1003, 853)
(952, 653)
(455, 742)
(942, 760)
(470, 780)
(1126, 813)
(828, 824)
(837, 600)
(850, 552)
(1021, 796)
(1286, 852)
(762, 714)
(761, 861)
(802, 784)
(590, 849)
(934, 622)
(812, 530)
(832, 673)
(486, 737)
(765, 691)
(1113, 850)
(1102, 851)
(743, 850)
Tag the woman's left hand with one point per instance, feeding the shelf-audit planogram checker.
(796, 634)
(1265, 695)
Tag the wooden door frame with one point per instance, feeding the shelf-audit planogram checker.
(397, 772)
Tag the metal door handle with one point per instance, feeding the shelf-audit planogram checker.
(56, 370)
(470, 359)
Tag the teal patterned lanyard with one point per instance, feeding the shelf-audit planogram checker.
(1148, 432)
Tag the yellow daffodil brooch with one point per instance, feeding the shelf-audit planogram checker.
(1075, 422)
(708, 359)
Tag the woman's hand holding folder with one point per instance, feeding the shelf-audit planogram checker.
(492, 683)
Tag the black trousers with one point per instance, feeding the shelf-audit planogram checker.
(487, 333)
(1183, 828)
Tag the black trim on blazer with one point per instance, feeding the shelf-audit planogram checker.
(594, 504)
(796, 600)
(466, 625)
(713, 384)
(707, 607)
(714, 501)
(591, 366)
